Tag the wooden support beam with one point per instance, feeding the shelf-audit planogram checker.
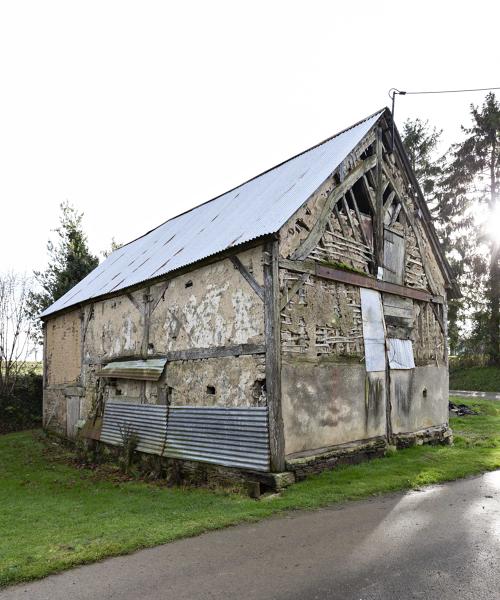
(389, 200)
(160, 296)
(312, 268)
(375, 284)
(318, 228)
(272, 328)
(249, 278)
(216, 352)
(288, 294)
(378, 229)
(370, 192)
(358, 216)
(347, 211)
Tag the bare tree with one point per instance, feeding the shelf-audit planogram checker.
(16, 340)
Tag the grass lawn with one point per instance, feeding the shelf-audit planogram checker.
(476, 379)
(54, 516)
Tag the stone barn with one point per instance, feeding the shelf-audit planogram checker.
(292, 323)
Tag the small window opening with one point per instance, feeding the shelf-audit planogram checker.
(188, 284)
(211, 390)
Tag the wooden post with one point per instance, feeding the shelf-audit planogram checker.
(379, 206)
(273, 355)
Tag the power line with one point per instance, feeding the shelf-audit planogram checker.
(393, 92)
(403, 93)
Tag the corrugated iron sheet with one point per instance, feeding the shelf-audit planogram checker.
(400, 354)
(144, 370)
(148, 421)
(256, 208)
(234, 437)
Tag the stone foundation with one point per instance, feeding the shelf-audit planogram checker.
(440, 434)
(309, 463)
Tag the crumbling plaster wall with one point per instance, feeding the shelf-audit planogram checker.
(209, 307)
(229, 381)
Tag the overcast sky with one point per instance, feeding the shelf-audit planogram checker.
(136, 111)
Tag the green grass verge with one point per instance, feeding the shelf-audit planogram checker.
(54, 516)
(476, 379)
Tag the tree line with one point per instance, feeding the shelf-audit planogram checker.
(461, 188)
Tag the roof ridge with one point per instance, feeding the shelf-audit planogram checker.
(328, 139)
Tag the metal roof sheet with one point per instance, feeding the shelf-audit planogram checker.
(147, 370)
(259, 207)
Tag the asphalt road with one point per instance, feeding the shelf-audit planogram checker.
(476, 395)
(442, 542)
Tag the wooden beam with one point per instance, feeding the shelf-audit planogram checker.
(216, 352)
(360, 280)
(272, 328)
(318, 228)
(347, 211)
(378, 236)
(358, 216)
(375, 284)
(370, 192)
(249, 278)
(288, 294)
(299, 266)
(160, 296)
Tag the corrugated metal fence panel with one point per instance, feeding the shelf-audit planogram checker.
(148, 421)
(235, 437)
(254, 209)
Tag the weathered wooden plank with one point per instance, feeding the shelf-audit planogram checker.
(216, 352)
(288, 294)
(309, 266)
(249, 278)
(299, 266)
(358, 216)
(394, 257)
(374, 284)
(273, 355)
(378, 236)
(318, 228)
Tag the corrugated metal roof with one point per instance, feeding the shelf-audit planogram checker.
(146, 370)
(256, 208)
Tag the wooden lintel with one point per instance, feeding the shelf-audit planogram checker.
(249, 278)
(216, 352)
(313, 268)
(374, 284)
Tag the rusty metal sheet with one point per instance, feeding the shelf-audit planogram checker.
(144, 370)
(256, 208)
(373, 329)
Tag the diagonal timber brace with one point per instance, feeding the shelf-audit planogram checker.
(335, 195)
